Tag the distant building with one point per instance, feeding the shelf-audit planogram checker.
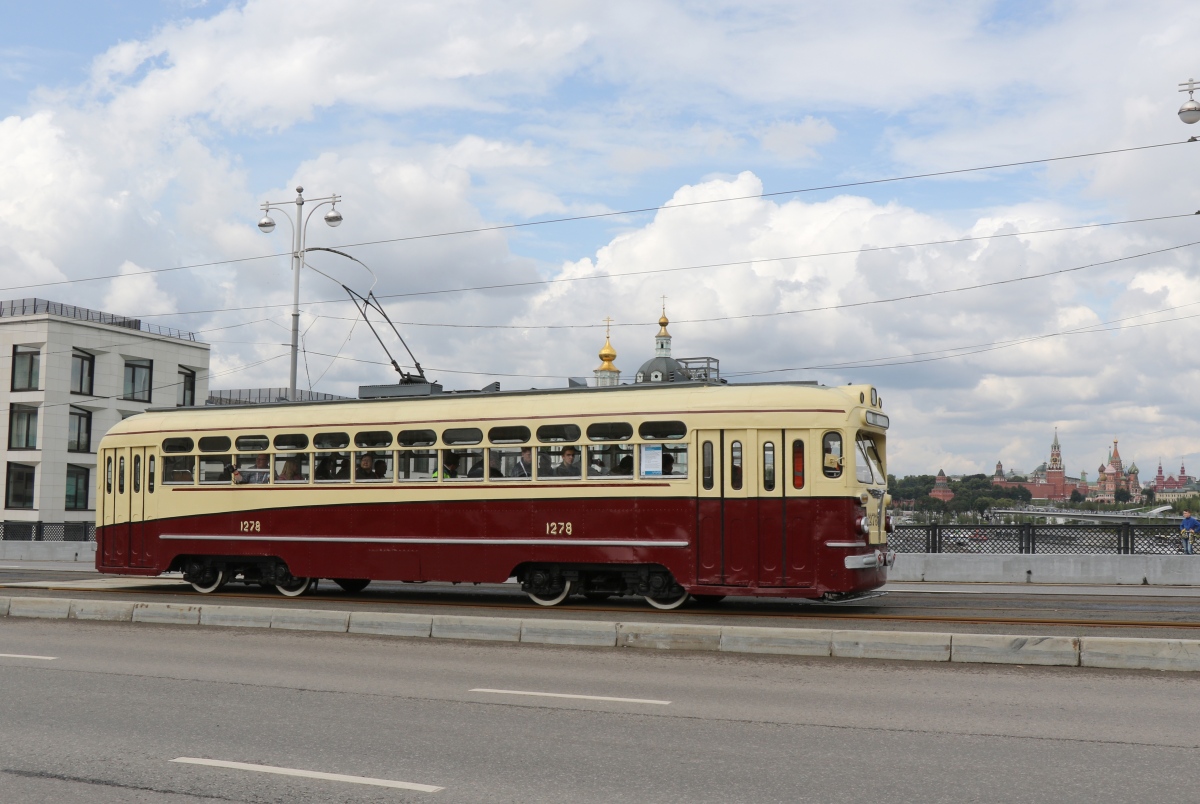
(1165, 485)
(1048, 481)
(73, 374)
(1114, 476)
(941, 488)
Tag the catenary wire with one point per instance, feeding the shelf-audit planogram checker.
(560, 280)
(618, 213)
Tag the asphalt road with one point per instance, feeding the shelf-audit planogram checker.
(103, 719)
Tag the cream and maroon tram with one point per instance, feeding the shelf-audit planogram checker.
(661, 491)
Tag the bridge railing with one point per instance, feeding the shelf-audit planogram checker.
(1116, 538)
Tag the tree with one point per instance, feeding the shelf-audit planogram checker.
(1076, 497)
(1148, 495)
(982, 504)
(1121, 496)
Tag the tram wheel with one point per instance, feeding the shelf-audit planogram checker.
(668, 603)
(709, 600)
(551, 599)
(211, 584)
(352, 585)
(295, 587)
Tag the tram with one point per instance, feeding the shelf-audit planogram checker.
(665, 491)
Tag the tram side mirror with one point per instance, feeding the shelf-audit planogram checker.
(833, 462)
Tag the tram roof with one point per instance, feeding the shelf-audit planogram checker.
(672, 398)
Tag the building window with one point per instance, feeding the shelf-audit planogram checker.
(79, 434)
(83, 370)
(26, 367)
(20, 486)
(77, 488)
(138, 376)
(187, 388)
(22, 427)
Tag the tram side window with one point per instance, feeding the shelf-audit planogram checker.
(510, 463)
(121, 475)
(178, 470)
(831, 454)
(609, 460)
(291, 442)
(150, 474)
(374, 466)
(462, 464)
(253, 468)
(554, 433)
(136, 474)
(735, 465)
(768, 466)
(108, 476)
(291, 467)
(706, 462)
(332, 466)
(177, 445)
(416, 438)
(663, 460)
(797, 464)
(416, 464)
(216, 469)
(559, 463)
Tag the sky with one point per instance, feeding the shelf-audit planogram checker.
(140, 137)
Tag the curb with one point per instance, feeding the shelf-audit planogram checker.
(1121, 653)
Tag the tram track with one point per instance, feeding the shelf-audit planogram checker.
(626, 613)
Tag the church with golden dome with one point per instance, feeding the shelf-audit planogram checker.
(661, 368)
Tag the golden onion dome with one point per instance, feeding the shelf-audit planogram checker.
(662, 327)
(607, 355)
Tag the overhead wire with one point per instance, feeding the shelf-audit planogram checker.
(619, 213)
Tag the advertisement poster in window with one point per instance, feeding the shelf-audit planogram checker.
(652, 455)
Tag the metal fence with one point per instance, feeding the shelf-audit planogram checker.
(1119, 538)
(266, 396)
(20, 307)
(47, 531)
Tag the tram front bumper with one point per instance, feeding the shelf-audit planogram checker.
(878, 559)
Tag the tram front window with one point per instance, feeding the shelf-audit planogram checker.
(869, 468)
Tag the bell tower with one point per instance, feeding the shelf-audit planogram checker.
(607, 374)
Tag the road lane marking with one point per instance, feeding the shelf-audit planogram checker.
(23, 656)
(331, 777)
(575, 697)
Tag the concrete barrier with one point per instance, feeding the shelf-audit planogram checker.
(491, 629)
(401, 625)
(166, 614)
(1140, 654)
(1002, 649)
(50, 608)
(788, 641)
(669, 636)
(236, 616)
(310, 620)
(107, 610)
(911, 646)
(569, 632)
(1103, 570)
(3, 607)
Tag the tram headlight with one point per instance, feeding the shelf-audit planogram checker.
(863, 525)
(887, 525)
(877, 419)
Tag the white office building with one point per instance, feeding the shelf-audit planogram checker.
(68, 374)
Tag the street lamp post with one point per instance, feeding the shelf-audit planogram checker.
(1189, 112)
(299, 230)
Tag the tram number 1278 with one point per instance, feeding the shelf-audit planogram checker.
(558, 528)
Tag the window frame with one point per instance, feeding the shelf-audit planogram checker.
(73, 473)
(10, 475)
(187, 388)
(89, 360)
(31, 374)
(86, 415)
(129, 382)
(28, 412)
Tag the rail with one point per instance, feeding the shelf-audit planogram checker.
(1123, 538)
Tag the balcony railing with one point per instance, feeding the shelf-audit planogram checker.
(20, 307)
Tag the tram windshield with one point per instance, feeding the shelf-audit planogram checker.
(869, 469)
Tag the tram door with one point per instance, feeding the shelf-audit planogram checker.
(727, 527)
(136, 490)
(115, 550)
(771, 479)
